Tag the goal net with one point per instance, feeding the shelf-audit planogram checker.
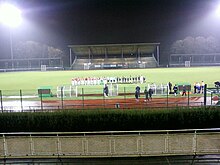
(187, 63)
(67, 91)
(43, 68)
(113, 89)
(158, 89)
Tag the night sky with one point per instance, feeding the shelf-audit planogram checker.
(62, 22)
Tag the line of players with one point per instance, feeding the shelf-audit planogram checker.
(105, 80)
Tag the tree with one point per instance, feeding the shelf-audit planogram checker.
(177, 47)
(189, 45)
(197, 45)
(212, 45)
(200, 45)
(32, 49)
(54, 52)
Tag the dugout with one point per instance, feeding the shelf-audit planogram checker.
(45, 91)
(181, 84)
(114, 56)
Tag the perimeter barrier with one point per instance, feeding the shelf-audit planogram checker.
(109, 144)
(93, 98)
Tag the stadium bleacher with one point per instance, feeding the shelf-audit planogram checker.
(113, 56)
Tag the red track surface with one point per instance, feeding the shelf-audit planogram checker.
(126, 103)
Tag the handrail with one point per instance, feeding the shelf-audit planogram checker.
(142, 143)
(115, 132)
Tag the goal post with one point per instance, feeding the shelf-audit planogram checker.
(67, 91)
(43, 68)
(187, 63)
(158, 89)
(113, 89)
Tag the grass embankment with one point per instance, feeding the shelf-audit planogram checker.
(111, 120)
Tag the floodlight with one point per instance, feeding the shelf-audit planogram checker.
(10, 15)
(218, 11)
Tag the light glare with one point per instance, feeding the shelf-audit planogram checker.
(218, 11)
(10, 15)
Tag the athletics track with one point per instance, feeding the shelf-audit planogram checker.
(105, 103)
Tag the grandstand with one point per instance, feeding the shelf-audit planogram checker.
(114, 56)
(195, 59)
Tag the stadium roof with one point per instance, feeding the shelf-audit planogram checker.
(114, 48)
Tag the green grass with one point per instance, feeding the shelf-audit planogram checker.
(29, 81)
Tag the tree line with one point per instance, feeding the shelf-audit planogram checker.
(189, 45)
(196, 45)
(32, 49)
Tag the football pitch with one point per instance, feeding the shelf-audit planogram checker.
(33, 80)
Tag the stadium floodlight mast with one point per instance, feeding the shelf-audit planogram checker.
(10, 16)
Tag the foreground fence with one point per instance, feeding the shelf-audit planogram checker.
(109, 144)
(93, 98)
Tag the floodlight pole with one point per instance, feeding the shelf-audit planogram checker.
(70, 57)
(11, 49)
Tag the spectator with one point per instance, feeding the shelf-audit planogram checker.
(146, 93)
(195, 87)
(105, 90)
(202, 87)
(170, 87)
(150, 93)
(184, 90)
(175, 89)
(138, 89)
(198, 87)
(136, 95)
(217, 85)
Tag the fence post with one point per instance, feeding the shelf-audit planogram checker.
(188, 98)
(103, 100)
(205, 94)
(21, 100)
(41, 100)
(62, 97)
(1, 101)
(83, 98)
(167, 98)
(125, 98)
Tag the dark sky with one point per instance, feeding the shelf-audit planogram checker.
(63, 22)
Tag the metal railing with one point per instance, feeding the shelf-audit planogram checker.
(93, 98)
(109, 144)
(30, 100)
